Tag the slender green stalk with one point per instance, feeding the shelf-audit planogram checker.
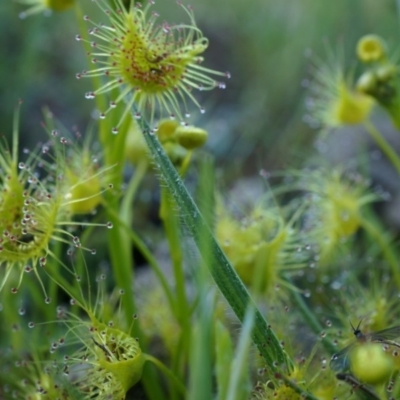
(129, 196)
(224, 275)
(167, 372)
(182, 306)
(383, 145)
(387, 251)
(148, 257)
(310, 317)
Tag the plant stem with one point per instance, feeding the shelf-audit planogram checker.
(310, 318)
(387, 251)
(181, 310)
(167, 372)
(383, 145)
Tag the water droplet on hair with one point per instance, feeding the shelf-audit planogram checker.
(137, 115)
(202, 110)
(21, 311)
(31, 325)
(47, 300)
(21, 165)
(109, 225)
(228, 74)
(114, 130)
(93, 251)
(14, 290)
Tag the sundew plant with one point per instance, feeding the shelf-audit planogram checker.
(150, 250)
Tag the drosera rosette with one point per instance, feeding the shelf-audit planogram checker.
(334, 99)
(336, 199)
(178, 141)
(86, 179)
(96, 350)
(99, 357)
(45, 6)
(156, 65)
(262, 239)
(35, 208)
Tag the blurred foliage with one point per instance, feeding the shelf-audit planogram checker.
(264, 44)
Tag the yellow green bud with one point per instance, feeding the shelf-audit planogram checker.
(166, 130)
(191, 137)
(386, 72)
(367, 82)
(371, 48)
(371, 364)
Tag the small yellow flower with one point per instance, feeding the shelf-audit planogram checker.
(156, 65)
(371, 48)
(38, 6)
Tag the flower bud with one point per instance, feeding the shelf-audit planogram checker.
(191, 137)
(371, 364)
(367, 83)
(371, 48)
(386, 72)
(166, 130)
